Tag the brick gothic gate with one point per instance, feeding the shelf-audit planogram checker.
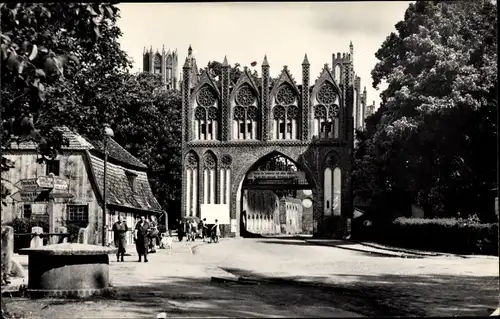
(228, 127)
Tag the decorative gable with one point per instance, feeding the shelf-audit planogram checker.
(325, 78)
(285, 78)
(245, 79)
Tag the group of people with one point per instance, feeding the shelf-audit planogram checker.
(146, 237)
(192, 229)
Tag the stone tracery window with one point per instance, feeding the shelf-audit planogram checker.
(246, 117)
(286, 114)
(157, 64)
(191, 184)
(245, 96)
(326, 120)
(285, 95)
(206, 115)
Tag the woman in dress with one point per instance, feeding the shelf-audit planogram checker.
(141, 238)
(120, 230)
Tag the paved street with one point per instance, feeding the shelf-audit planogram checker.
(316, 281)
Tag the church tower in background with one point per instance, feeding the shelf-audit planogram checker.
(164, 63)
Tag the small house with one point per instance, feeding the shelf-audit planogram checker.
(68, 190)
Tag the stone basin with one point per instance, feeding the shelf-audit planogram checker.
(68, 270)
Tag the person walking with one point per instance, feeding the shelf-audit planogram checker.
(215, 232)
(203, 227)
(180, 229)
(194, 230)
(153, 235)
(141, 238)
(120, 230)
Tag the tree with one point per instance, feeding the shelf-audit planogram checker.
(435, 139)
(148, 125)
(42, 47)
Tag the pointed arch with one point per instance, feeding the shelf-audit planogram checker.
(332, 184)
(225, 179)
(246, 113)
(327, 93)
(209, 177)
(206, 115)
(286, 117)
(191, 164)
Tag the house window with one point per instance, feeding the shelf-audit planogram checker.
(249, 128)
(203, 129)
(132, 180)
(282, 127)
(27, 211)
(210, 128)
(53, 167)
(242, 128)
(78, 214)
(289, 127)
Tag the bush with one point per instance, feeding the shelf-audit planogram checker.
(73, 230)
(450, 235)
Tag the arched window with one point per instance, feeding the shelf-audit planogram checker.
(279, 122)
(332, 185)
(246, 115)
(326, 115)
(191, 184)
(206, 115)
(209, 178)
(320, 120)
(286, 114)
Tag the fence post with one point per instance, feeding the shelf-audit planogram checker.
(82, 236)
(62, 239)
(7, 250)
(37, 240)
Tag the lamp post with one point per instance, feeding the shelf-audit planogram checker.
(108, 132)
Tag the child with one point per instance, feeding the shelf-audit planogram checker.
(166, 241)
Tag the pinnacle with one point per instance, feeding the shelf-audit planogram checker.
(265, 63)
(225, 63)
(187, 64)
(306, 60)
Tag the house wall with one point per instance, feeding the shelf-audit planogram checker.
(291, 221)
(72, 167)
(261, 222)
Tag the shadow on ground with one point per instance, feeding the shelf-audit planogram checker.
(398, 295)
(387, 295)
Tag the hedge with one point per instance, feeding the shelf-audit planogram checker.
(448, 235)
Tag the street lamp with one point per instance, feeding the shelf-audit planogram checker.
(108, 132)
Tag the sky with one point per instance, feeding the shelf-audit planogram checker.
(245, 32)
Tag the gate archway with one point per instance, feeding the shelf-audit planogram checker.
(271, 198)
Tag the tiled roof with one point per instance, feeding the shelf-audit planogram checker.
(119, 191)
(117, 152)
(76, 141)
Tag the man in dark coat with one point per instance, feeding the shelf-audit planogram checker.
(141, 238)
(120, 230)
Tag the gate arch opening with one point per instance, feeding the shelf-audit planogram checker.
(271, 198)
